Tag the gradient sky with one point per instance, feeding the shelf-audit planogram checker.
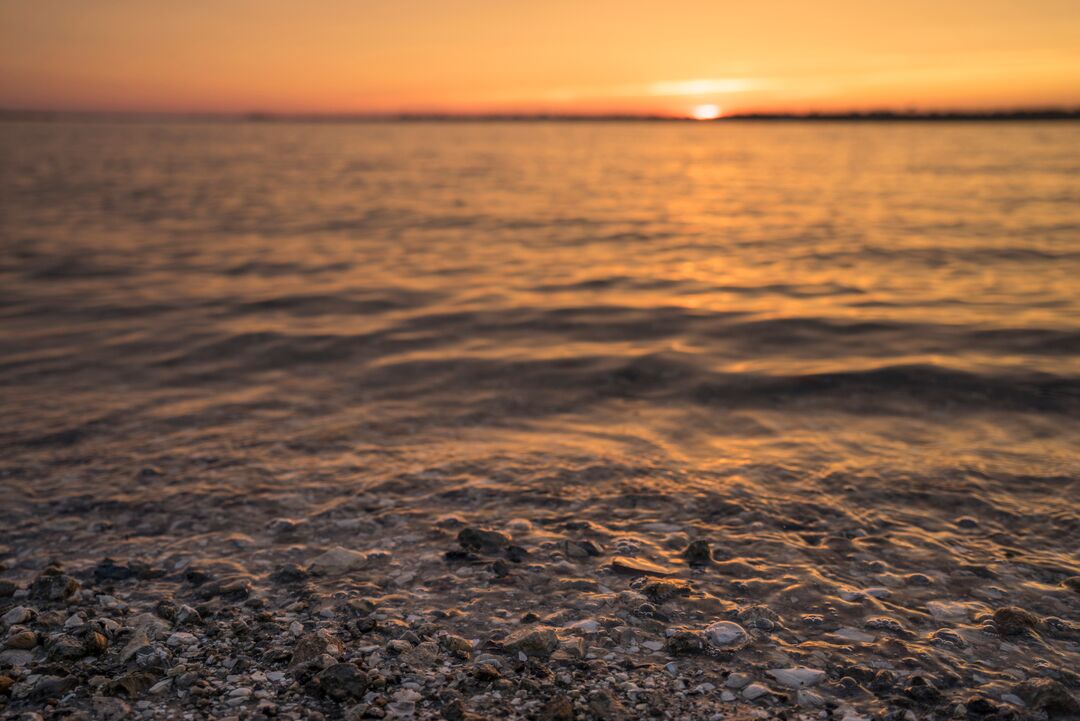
(665, 56)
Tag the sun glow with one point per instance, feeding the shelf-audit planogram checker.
(705, 112)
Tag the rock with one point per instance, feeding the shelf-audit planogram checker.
(312, 646)
(343, 681)
(605, 706)
(626, 566)
(6, 682)
(1014, 621)
(139, 640)
(7, 588)
(289, 573)
(738, 680)
(726, 635)
(53, 586)
(661, 590)
(17, 615)
(65, 648)
(1072, 583)
(854, 635)
(110, 570)
(685, 643)
(980, 706)
(21, 639)
(967, 522)
(758, 616)
(922, 691)
(460, 647)
(181, 639)
(755, 691)
(887, 624)
(586, 625)
(1046, 694)
(15, 658)
(698, 553)
(573, 549)
(132, 684)
(797, 677)
(486, 673)
(482, 540)
(424, 655)
(94, 643)
(948, 610)
(558, 708)
(109, 708)
(538, 641)
(48, 687)
(336, 561)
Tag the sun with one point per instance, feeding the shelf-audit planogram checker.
(705, 112)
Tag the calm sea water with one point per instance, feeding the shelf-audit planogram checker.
(789, 301)
(846, 355)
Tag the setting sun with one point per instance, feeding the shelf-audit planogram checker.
(705, 112)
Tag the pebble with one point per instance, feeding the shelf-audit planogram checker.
(755, 691)
(797, 677)
(540, 641)
(310, 648)
(698, 553)
(726, 635)
(627, 566)
(17, 615)
(336, 561)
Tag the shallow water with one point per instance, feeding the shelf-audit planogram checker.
(817, 345)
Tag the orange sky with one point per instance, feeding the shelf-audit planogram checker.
(642, 56)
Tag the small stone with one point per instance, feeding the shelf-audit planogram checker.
(967, 522)
(1046, 694)
(685, 643)
(605, 706)
(726, 635)
(343, 681)
(53, 587)
(755, 691)
(698, 553)
(336, 561)
(482, 540)
(160, 687)
(181, 638)
(17, 615)
(110, 570)
(7, 588)
(6, 682)
(313, 645)
(573, 549)
(558, 708)
(1014, 621)
(486, 673)
(661, 590)
(460, 647)
(626, 566)
(21, 639)
(132, 684)
(797, 677)
(49, 687)
(738, 680)
(65, 648)
(539, 641)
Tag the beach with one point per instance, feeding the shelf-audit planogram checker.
(539, 420)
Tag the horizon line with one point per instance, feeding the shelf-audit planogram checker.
(1022, 113)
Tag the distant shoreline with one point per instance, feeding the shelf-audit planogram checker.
(1051, 114)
